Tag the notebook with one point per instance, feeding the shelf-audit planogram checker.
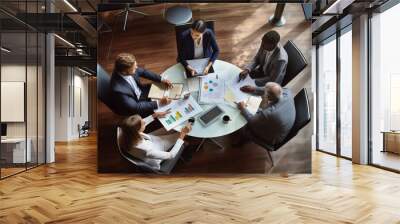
(157, 91)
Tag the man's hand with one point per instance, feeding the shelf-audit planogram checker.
(243, 74)
(248, 89)
(191, 70)
(185, 130)
(167, 83)
(241, 105)
(165, 101)
(161, 114)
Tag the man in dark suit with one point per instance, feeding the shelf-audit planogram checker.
(128, 94)
(273, 123)
(195, 43)
(269, 64)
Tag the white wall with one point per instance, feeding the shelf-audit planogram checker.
(62, 81)
(17, 73)
(71, 94)
(33, 126)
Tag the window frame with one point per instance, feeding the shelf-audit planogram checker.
(334, 37)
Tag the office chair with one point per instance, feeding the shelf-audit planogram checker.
(303, 117)
(125, 12)
(84, 129)
(165, 167)
(296, 62)
(103, 87)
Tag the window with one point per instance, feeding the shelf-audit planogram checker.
(22, 77)
(346, 93)
(385, 89)
(334, 106)
(326, 136)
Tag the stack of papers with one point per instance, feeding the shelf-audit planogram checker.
(234, 92)
(212, 89)
(193, 84)
(158, 92)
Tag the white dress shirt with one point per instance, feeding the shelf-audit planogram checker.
(198, 49)
(153, 149)
(134, 85)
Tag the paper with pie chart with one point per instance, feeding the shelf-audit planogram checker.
(212, 89)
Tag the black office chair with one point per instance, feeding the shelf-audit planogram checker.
(181, 28)
(103, 87)
(165, 167)
(296, 62)
(84, 129)
(303, 117)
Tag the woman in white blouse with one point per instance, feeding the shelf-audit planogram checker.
(151, 148)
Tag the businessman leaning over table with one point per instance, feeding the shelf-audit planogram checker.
(269, 64)
(271, 124)
(129, 95)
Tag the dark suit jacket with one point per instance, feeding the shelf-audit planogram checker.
(272, 124)
(124, 99)
(186, 47)
(274, 71)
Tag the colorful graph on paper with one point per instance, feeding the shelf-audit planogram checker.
(181, 111)
(212, 89)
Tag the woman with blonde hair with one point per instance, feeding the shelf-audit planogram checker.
(151, 148)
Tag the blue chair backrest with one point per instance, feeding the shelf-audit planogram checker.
(103, 86)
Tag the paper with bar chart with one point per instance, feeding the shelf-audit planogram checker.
(181, 111)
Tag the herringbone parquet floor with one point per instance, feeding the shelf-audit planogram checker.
(71, 191)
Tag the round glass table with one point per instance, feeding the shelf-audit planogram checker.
(227, 72)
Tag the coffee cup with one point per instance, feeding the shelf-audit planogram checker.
(226, 119)
(191, 120)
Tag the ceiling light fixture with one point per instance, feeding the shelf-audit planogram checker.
(65, 41)
(5, 50)
(70, 5)
(337, 7)
(84, 71)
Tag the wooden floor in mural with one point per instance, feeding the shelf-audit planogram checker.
(71, 191)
